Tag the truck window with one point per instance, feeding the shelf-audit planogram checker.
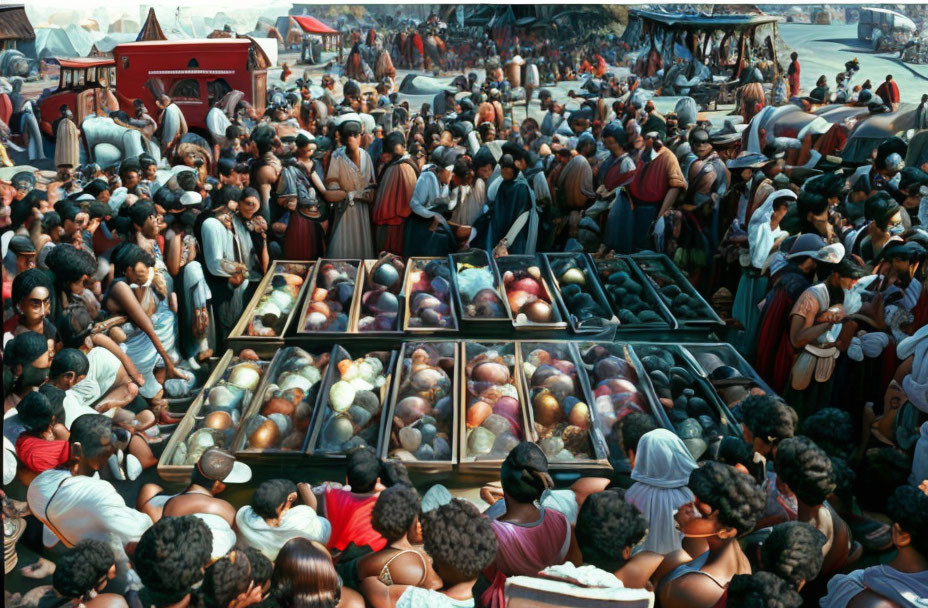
(80, 78)
(188, 89)
(65, 79)
(216, 90)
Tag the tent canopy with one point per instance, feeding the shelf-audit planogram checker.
(311, 25)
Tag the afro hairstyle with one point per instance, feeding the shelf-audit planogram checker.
(734, 451)
(806, 469)
(606, 525)
(768, 418)
(831, 429)
(793, 551)
(761, 590)
(738, 499)
(394, 472)
(225, 579)
(908, 507)
(395, 511)
(170, 557)
(460, 537)
(80, 569)
(270, 495)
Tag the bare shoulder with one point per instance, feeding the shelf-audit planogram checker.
(689, 591)
(869, 599)
(107, 600)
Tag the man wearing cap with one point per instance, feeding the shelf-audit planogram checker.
(214, 470)
(22, 250)
(398, 177)
(351, 175)
(655, 187)
(75, 504)
(67, 144)
(820, 330)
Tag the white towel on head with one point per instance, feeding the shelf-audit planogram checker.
(915, 384)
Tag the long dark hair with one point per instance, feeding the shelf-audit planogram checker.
(304, 576)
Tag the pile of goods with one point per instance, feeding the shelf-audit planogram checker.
(330, 301)
(286, 407)
(617, 390)
(477, 287)
(351, 409)
(678, 295)
(423, 416)
(578, 289)
(380, 299)
(560, 414)
(493, 414)
(688, 404)
(632, 302)
(428, 295)
(527, 293)
(271, 314)
(223, 405)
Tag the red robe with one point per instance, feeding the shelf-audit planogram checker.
(391, 206)
(888, 92)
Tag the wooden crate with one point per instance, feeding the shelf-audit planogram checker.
(416, 264)
(301, 327)
(238, 337)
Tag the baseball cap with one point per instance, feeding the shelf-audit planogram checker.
(220, 465)
(22, 245)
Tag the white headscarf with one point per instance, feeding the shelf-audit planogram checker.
(662, 472)
(761, 236)
(915, 384)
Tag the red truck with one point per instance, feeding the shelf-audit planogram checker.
(194, 73)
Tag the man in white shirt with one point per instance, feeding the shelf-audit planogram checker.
(75, 504)
(279, 511)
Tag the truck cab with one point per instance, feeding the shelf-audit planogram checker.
(80, 83)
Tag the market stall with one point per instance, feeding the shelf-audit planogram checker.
(447, 363)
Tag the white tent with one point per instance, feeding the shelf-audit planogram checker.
(53, 42)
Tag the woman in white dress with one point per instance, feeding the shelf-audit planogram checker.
(351, 172)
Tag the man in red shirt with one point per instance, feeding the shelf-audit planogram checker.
(349, 509)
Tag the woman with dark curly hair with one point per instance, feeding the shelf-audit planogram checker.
(766, 421)
(728, 504)
(82, 575)
(228, 583)
(904, 580)
(396, 517)
(461, 543)
(809, 473)
(793, 551)
(170, 559)
(608, 528)
(304, 577)
(761, 590)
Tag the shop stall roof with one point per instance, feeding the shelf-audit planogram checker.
(685, 21)
(14, 24)
(311, 25)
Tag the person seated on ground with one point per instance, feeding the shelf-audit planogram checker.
(111, 380)
(808, 472)
(76, 505)
(215, 468)
(396, 518)
(349, 509)
(280, 510)
(304, 575)
(170, 559)
(760, 589)
(59, 402)
(27, 358)
(461, 543)
(37, 448)
(662, 471)
(727, 505)
(904, 580)
(530, 538)
(608, 528)
(81, 576)
(228, 583)
(793, 551)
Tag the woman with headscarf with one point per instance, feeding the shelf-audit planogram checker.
(661, 472)
(301, 191)
(351, 173)
(395, 187)
(530, 538)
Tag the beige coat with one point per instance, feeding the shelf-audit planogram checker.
(67, 144)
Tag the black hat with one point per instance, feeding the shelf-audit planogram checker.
(516, 151)
(22, 245)
(902, 250)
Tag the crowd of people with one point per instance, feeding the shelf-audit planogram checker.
(122, 282)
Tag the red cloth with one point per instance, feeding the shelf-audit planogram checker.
(889, 92)
(391, 207)
(774, 350)
(6, 108)
(41, 454)
(793, 79)
(419, 44)
(350, 517)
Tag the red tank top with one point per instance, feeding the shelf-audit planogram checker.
(350, 516)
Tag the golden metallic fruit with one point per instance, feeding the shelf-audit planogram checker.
(265, 436)
(218, 420)
(580, 415)
(278, 405)
(547, 409)
(538, 311)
